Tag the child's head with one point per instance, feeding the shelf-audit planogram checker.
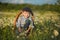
(26, 12)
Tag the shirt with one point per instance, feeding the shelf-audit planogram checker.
(22, 21)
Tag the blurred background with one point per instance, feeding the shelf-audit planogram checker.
(47, 19)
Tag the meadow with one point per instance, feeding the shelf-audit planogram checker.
(47, 22)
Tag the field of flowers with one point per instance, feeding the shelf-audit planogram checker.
(47, 25)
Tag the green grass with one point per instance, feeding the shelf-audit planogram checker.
(45, 24)
(47, 21)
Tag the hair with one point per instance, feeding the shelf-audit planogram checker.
(24, 9)
(28, 10)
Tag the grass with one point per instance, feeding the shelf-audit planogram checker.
(45, 24)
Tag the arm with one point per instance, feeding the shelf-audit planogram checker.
(18, 24)
(31, 26)
(19, 29)
(28, 30)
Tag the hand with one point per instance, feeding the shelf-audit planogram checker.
(26, 31)
(19, 30)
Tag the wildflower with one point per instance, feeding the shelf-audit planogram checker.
(17, 36)
(12, 28)
(37, 29)
(56, 33)
(36, 23)
(57, 25)
(52, 36)
(1, 22)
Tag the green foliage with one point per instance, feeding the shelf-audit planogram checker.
(16, 7)
(58, 2)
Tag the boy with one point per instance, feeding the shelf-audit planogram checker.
(25, 21)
